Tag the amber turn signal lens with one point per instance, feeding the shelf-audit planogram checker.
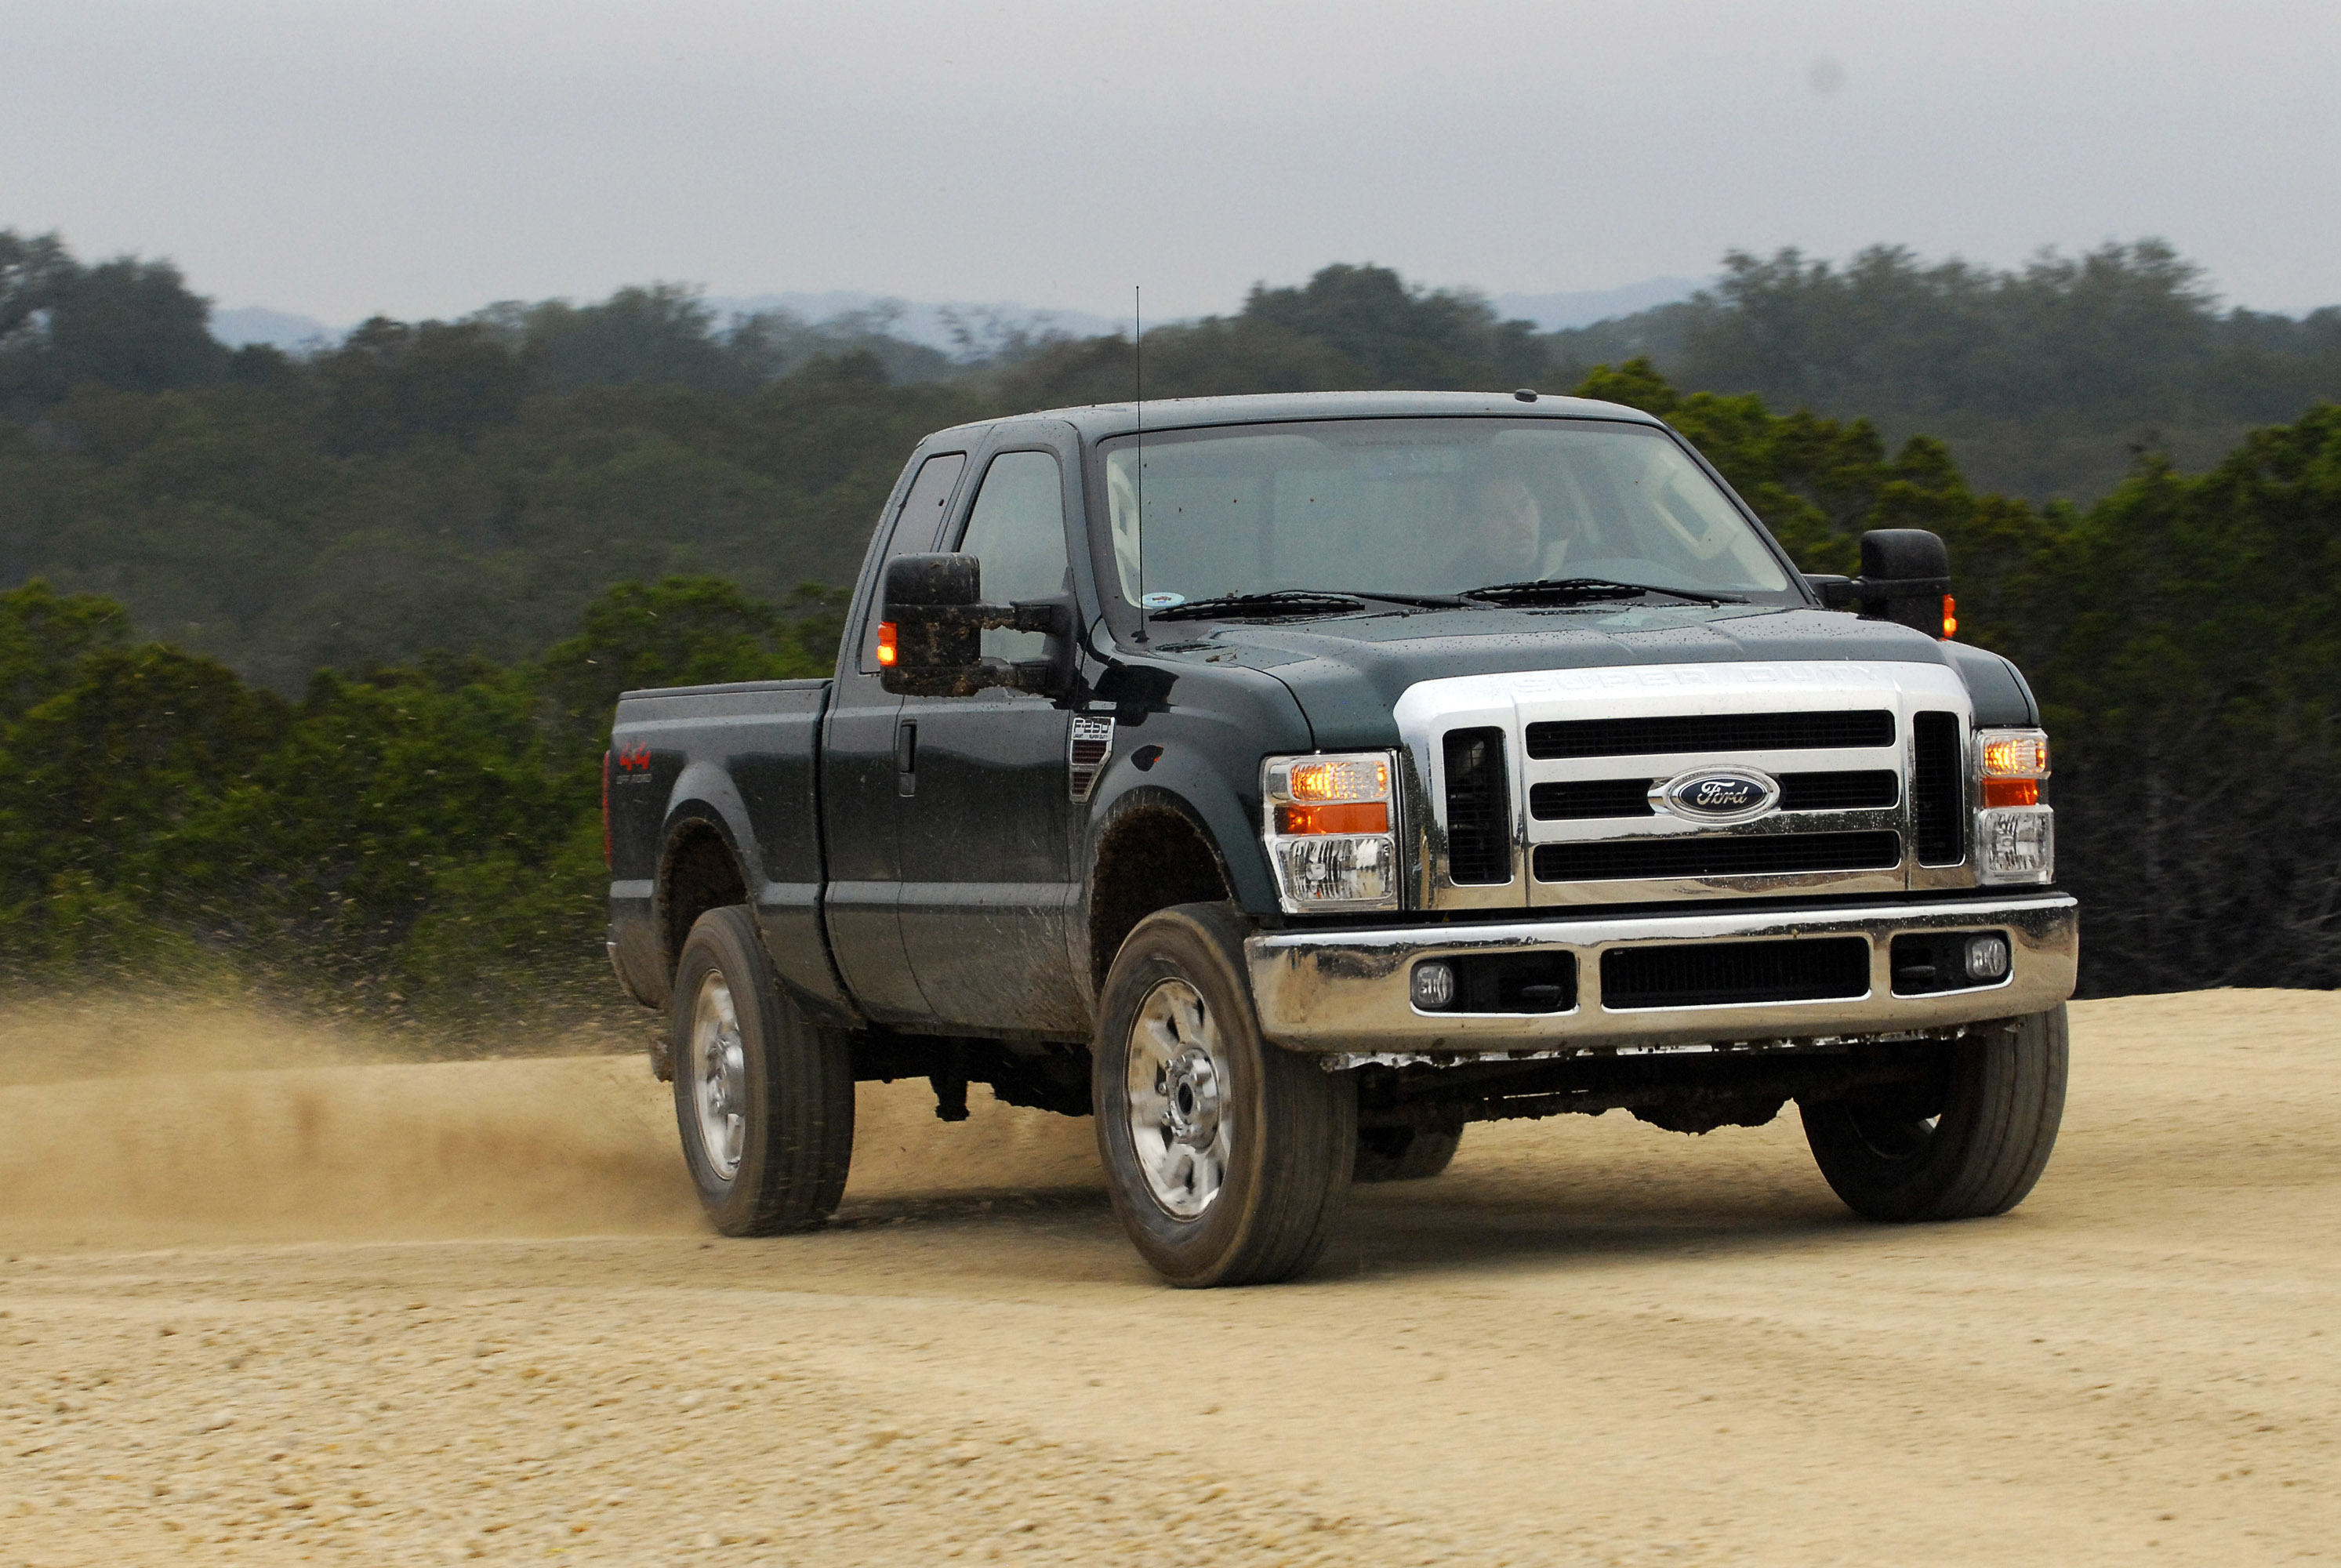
(1950, 617)
(1297, 821)
(888, 649)
(1349, 778)
(2015, 756)
(2011, 792)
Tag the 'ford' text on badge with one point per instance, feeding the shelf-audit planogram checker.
(1717, 795)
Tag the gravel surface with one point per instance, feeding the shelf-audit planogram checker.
(457, 1312)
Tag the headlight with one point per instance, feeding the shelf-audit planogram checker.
(1329, 830)
(2016, 835)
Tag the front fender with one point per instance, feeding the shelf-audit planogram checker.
(1195, 791)
(1203, 755)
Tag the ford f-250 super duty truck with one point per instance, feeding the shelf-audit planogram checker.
(1292, 780)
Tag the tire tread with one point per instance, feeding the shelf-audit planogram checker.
(795, 1171)
(1993, 1140)
(1296, 1180)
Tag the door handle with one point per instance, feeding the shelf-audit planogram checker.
(906, 758)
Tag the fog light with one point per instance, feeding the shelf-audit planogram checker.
(1434, 986)
(2016, 844)
(1987, 957)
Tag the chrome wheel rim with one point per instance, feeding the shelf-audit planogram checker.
(719, 1076)
(1179, 1115)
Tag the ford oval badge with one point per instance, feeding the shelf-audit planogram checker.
(1717, 795)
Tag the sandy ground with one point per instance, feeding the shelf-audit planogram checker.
(438, 1312)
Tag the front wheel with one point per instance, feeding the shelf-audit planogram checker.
(1969, 1142)
(764, 1100)
(1227, 1157)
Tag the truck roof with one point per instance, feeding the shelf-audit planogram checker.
(1097, 421)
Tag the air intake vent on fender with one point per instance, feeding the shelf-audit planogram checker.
(1936, 816)
(1478, 811)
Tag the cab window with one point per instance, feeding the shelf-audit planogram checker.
(916, 527)
(1018, 531)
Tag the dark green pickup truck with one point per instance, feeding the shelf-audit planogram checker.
(1290, 782)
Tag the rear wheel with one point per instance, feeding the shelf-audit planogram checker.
(1228, 1158)
(764, 1100)
(1970, 1143)
(1404, 1154)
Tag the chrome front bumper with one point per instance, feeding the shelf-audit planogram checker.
(1347, 992)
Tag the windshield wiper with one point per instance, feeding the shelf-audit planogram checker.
(1585, 589)
(1278, 602)
(1426, 601)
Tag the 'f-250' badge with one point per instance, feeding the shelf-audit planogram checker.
(1717, 795)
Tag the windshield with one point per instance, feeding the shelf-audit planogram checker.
(1415, 507)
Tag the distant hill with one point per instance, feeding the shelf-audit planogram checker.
(279, 329)
(972, 330)
(1558, 312)
(965, 331)
(962, 331)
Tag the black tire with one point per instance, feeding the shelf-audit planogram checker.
(1403, 1154)
(1999, 1100)
(1271, 1134)
(782, 1110)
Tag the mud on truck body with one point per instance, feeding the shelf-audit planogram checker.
(1290, 782)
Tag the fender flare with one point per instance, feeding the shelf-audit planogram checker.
(704, 797)
(1185, 782)
(1147, 797)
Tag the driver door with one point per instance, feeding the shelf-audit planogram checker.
(989, 891)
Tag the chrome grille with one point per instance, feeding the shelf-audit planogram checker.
(1591, 799)
(1586, 800)
(1675, 735)
(1868, 761)
(1872, 789)
(1936, 797)
(1479, 816)
(1771, 854)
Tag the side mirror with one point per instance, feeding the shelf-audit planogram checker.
(1905, 578)
(932, 620)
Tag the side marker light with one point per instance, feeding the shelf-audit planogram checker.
(1370, 816)
(888, 648)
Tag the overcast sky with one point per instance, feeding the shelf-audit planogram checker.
(422, 158)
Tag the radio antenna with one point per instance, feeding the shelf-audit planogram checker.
(1137, 376)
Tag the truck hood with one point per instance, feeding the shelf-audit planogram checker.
(1348, 672)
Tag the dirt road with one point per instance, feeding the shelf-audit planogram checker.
(431, 1313)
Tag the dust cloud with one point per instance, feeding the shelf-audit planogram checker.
(159, 1123)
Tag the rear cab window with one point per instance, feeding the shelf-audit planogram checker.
(917, 526)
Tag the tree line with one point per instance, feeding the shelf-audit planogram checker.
(2048, 381)
(307, 659)
(421, 841)
(418, 844)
